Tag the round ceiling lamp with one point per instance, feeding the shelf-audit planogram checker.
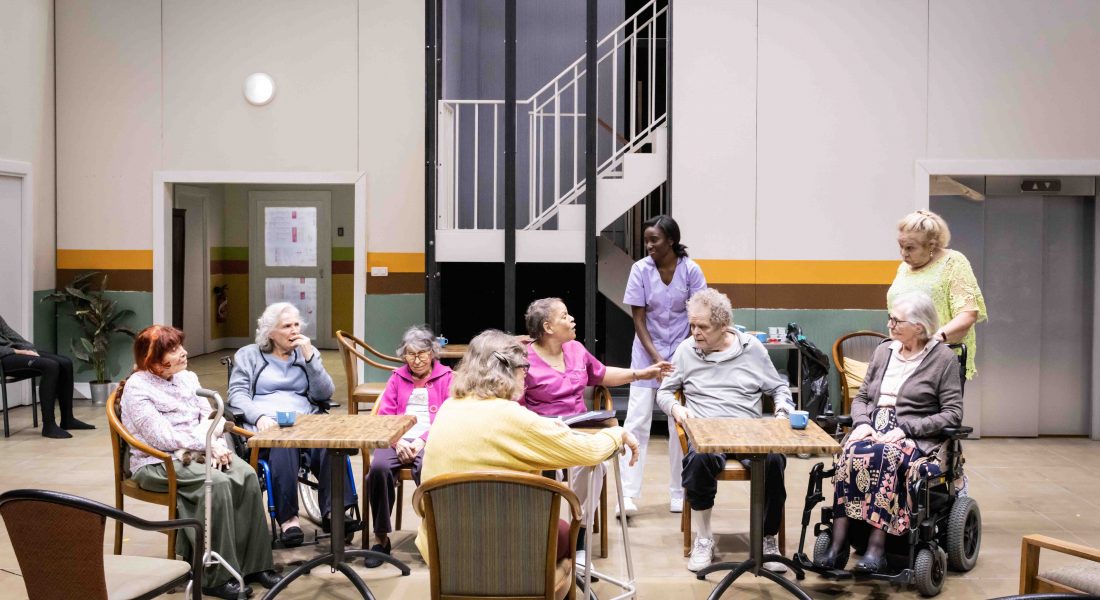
(259, 89)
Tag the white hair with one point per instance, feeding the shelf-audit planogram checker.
(270, 319)
(715, 304)
(417, 338)
(918, 310)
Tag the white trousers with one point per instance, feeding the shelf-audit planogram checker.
(639, 417)
(578, 482)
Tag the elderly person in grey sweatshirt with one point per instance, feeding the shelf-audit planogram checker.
(723, 373)
(282, 371)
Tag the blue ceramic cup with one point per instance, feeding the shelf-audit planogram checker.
(442, 340)
(763, 337)
(285, 417)
(799, 419)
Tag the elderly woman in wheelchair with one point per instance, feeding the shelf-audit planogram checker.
(282, 371)
(893, 479)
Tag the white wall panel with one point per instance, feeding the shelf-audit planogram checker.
(1014, 79)
(108, 122)
(391, 123)
(714, 126)
(27, 113)
(309, 49)
(842, 113)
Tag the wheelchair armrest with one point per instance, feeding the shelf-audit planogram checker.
(236, 413)
(957, 433)
(827, 421)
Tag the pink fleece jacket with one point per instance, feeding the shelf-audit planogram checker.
(395, 399)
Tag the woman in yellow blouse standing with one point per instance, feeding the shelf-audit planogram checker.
(929, 266)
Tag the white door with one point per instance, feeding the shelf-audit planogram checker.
(289, 256)
(14, 303)
(196, 267)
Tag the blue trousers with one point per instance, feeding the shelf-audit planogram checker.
(285, 464)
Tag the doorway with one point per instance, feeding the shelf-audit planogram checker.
(16, 246)
(191, 302)
(290, 251)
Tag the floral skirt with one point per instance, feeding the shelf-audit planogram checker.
(874, 482)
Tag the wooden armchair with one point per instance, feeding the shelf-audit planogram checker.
(859, 346)
(1073, 579)
(494, 535)
(58, 541)
(352, 349)
(734, 471)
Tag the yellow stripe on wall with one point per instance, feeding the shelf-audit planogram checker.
(137, 260)
(825, 272)
(397, 262)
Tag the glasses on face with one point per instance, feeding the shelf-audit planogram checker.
(421, 356)
(893, 321)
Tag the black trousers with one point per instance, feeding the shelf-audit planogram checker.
(700, 481)
(56, 385)
(284, 463)
(382, 485)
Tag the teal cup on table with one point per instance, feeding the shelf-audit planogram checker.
(285, 418)
(799, 419)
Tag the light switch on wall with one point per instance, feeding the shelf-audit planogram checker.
(379, 271)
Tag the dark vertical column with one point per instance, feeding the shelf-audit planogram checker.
(433, 74)
(590, 158)
(667, 208)
(510, 165)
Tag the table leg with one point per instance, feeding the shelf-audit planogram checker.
(335, 558)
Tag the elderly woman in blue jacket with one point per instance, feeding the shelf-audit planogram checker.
(282, 371)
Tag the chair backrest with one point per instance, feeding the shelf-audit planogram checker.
(490, 532)
(59, 549)
(120, 448)
(858, 345)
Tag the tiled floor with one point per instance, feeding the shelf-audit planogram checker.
(1049, 486)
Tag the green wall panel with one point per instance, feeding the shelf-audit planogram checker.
(387, 318)
(121, 358)
(45, 323)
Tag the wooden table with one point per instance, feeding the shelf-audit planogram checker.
(454, 351)
(754, 439)
(342, 435)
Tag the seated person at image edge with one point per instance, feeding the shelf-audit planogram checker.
(723, 373)
(282, 371)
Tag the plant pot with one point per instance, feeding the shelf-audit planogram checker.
(100, 391)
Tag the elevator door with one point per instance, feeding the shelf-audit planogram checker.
(1032, 256)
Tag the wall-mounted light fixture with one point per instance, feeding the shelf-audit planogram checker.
(259, 89)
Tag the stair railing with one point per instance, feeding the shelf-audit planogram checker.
(554, 169)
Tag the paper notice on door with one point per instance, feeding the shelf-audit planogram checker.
(290, 236)
(299, 291)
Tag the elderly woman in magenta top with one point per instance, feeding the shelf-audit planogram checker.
(560, 369)
(417, 389)
(657, 292)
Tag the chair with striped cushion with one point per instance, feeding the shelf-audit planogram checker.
(494, 535)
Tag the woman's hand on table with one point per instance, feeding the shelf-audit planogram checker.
(629, 441)
(893, 436)
(265, 423)
(861, 432)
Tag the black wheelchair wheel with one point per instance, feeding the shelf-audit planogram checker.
(964, 534)
(930, 570)
(821, 546)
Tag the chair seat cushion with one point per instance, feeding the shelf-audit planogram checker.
(369, 390)
(855, 371)
(1085, 578)
(134, 576)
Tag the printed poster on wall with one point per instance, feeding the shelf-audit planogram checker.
(290, 236)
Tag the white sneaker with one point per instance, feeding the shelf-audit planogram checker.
(627, 506)
(702, 552)
(771, 546)
(676, 505)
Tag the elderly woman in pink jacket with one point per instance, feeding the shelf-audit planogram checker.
(416, 389)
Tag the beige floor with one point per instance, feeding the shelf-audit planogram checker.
(1049, 486)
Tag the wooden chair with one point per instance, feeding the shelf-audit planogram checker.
(489, 532)
(121, 443)
(858, 345)
(5, 379)
(734, 471)
(368, 391)
(58, 541)
(1072, 579)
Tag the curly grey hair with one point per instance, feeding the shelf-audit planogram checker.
(488, 369)
(714, 303)
(917, 308)
(270, 319)
(538, 313)
(418, 338)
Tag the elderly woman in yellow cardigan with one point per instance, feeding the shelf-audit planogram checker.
(483, 427)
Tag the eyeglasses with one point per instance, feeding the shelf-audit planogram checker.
(421, 356)
(893, 321)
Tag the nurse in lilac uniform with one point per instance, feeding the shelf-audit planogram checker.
(657, 292)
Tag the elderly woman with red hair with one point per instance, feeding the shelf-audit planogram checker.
(160, 408)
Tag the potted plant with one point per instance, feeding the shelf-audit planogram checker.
(100, 321)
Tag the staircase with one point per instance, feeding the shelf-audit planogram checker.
(550, 163)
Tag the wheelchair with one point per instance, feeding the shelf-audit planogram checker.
(307, 482)
(946, 529)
